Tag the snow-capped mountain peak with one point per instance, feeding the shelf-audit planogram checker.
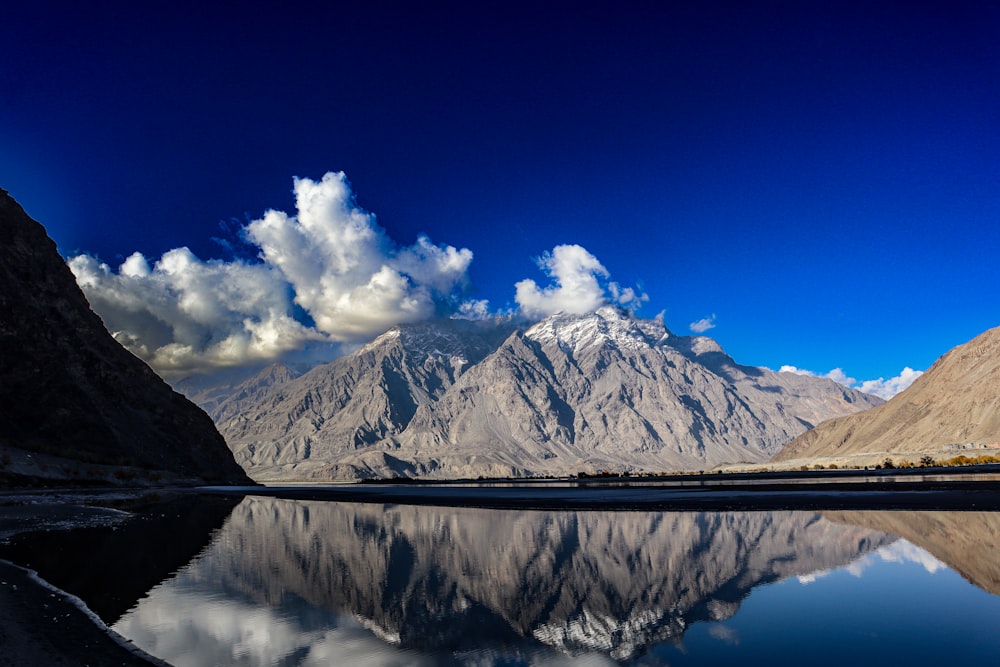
(600, 391)
(606, 325)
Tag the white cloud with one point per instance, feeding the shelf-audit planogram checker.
(135, 266)
(577, 288)
(331, 259)
(840, 377)
(184, 312)
(627, 296)
(888, 388)
(473, 309)
(441, 268)
(902, 551)
(187, 626)
(881, 387)
(345, 271)
(704, 324)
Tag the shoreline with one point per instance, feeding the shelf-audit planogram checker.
(43, 625)
(40, 623)
(813, 491)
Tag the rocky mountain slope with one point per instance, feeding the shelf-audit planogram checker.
(954, 405)
(237, 388)
(355, 403)
(74, 404)
(571, 393)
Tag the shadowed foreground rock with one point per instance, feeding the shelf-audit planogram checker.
(72, 400)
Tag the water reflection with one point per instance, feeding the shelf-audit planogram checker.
(969, 542)
(311, 582)
(109, 568)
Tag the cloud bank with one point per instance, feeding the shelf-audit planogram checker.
(183, 312)
(329, 274)
(326, 275)
(579, 284)
(881, 387)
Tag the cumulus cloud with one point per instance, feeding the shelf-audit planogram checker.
(579, 285)
(881, 387)
(888, 388)
(214, 627)
(627, 296)
(328, 274)
(184, 312)
(902, 551)
(345, 271)
(703, 325)
(473, 309)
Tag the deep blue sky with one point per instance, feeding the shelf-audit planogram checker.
(824, 177)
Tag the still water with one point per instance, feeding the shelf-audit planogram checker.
(296, 582)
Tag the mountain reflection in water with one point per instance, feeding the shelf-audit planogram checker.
(969, 542)
(310, 582)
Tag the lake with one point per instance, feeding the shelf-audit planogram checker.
(204, 580)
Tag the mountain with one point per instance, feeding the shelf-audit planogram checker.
(74, 404)
(572, 393)
(953, 406)
(233, 387)
(439, 581)
(353, 403)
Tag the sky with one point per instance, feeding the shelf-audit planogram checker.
(814, 184)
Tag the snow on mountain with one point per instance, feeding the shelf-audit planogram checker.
(605, 326)
(603, 391)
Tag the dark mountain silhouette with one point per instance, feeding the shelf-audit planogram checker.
(72, 400)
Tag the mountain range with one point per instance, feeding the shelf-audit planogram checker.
(74, 404)
(952, 409)
(605, 391)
